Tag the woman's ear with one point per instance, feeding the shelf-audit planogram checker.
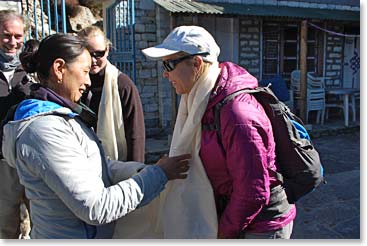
(58, 68)
(198, 63)
(107, 50)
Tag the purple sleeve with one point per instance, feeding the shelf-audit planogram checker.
(245, 134)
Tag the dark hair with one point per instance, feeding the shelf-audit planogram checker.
(30, 47)
(60, 45)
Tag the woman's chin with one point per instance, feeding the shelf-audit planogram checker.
(94, 70)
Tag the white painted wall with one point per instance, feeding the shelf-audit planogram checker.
(351, 63)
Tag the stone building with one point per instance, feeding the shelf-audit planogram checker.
(262, 36)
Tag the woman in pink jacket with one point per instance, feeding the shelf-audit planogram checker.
(230, 191)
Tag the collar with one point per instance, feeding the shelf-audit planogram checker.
(46, 94)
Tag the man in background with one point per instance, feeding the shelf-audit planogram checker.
(14, 86)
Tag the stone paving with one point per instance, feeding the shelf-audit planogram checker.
(332, 211)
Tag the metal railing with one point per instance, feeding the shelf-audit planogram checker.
(120, 29)
(44, 17)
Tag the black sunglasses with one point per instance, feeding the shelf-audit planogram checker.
(98, 53)
(169, 65)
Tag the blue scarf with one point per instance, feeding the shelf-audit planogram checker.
(8, 62)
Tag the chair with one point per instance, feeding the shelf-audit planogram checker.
(357, 98)
(340, 98)
(295, 83)
(315, 100)
(314, 81)
(333, 101)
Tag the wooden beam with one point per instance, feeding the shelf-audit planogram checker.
(320, 53)
(303, 68)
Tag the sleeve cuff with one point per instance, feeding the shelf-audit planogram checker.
(152, 181)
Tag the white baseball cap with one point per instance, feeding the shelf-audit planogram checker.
(189, 39)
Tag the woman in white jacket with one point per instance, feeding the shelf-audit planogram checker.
(74, 191)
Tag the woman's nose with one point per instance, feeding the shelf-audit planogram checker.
(94, 60)
(88, 83)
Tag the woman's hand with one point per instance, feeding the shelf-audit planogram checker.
(175, 167)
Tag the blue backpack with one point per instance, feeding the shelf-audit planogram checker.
(298, 161)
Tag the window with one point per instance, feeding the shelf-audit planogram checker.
(281, 47)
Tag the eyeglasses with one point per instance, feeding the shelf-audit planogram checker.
(98, 53)
(169, 65)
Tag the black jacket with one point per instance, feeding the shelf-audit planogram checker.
(18, 90)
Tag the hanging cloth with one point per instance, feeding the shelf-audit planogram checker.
(110, 124)
(187, 207)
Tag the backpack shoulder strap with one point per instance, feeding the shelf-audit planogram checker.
(218, 107)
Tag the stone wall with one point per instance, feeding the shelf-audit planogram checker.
(334, 55)
(146, 72)
(156, 91)
(165, 88)
(152, 26)
(249, 45)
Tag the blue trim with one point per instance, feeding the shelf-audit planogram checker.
(49, 17)
(63, 15)
(42, 19)
(304, 134)
(40, 22)
(31, 107)
(301, 130)
(121, 32)
(56, 17)
(133, 41)
(35, 19)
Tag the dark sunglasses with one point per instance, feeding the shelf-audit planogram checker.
(169, 65)
(98, 53)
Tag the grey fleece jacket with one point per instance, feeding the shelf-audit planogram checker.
(72, 191)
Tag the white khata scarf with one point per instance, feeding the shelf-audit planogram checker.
(187, 205)
(110, 124)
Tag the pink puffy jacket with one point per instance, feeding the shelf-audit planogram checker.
(240, 172)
